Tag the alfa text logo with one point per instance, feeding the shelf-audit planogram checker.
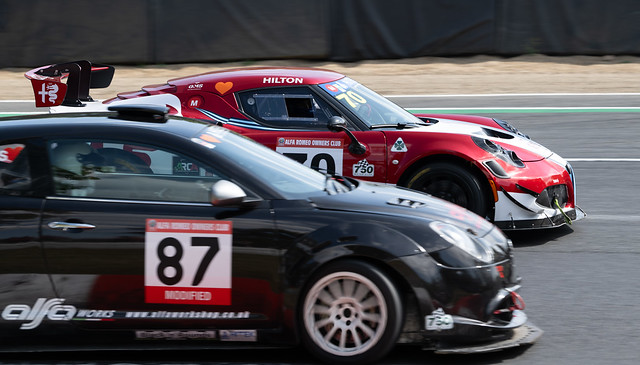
(52, 309)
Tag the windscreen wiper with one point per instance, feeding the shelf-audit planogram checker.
(399, 125)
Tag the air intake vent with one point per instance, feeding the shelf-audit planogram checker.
(550, 194)
(141, 112)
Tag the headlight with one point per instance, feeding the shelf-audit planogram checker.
(462, 240)
(495, 149)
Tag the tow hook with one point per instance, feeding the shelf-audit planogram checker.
(557, 204)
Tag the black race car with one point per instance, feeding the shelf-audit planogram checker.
(130, 228)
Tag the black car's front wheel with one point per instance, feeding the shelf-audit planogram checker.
(453, 183)
(352, 313)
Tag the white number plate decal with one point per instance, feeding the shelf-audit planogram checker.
(438, 320)
(322, 154)
(188, 262)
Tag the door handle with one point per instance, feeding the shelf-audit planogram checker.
(65, 226)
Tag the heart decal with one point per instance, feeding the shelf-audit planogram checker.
(9, 154)
(223, 87)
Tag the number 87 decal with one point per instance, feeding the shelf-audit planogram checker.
(188, 262)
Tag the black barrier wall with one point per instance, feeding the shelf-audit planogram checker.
(38, 32)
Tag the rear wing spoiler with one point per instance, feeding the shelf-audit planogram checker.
(49, 88)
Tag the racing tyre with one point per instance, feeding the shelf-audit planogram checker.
(453, 183)
(352, 313)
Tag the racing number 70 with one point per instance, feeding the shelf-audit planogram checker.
(352, 98)
(173, 261)
(315, 161)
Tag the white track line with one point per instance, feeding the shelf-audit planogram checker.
(612, 217)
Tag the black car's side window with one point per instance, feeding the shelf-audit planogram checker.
(120, 170)
(15, 177)
(296, 107)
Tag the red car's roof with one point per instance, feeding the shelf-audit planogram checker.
(223, 82)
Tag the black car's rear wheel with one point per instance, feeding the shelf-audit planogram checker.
(453, 183)
(351, 313)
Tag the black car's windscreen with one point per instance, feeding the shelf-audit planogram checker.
(292, 179)
(371, 107)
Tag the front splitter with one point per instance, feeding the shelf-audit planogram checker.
(526, 334)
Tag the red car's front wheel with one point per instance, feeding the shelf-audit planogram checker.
(453, 183)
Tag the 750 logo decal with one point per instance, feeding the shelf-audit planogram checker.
(363, 168)
(438, 321)
(188, 262)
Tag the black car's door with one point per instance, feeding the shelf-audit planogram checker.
(135, 244)
(25, 287)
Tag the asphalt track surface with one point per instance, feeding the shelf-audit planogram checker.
(580, 282)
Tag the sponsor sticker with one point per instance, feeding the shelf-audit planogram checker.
(195, 101)
(239, 335)
(55, 309)
(48, 93)
(203, 142)
(223, 87)
(195, 86)
(182, 315)
(188, 262)
(184, 167)
(339, 87)
(176, 335)
(363, 168)
(9, 152)
(323, 154)
(282, 80)
(438, 321)
(399, 146)
(406, 203)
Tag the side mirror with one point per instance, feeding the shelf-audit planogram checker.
(224, 193)
(338, 124)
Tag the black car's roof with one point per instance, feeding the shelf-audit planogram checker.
(101, 123)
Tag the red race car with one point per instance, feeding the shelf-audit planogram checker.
(330, 122)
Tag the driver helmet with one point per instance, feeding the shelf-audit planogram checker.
(75, 157)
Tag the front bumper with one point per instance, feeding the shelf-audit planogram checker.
(465, 310)
(521, 211)
(544, 197)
